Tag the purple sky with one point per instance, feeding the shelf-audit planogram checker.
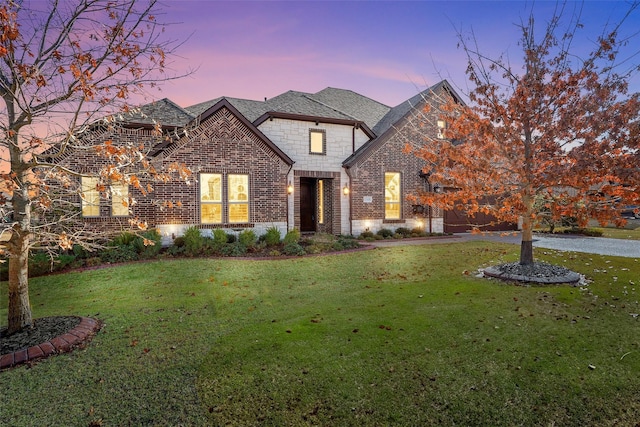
(385, 50)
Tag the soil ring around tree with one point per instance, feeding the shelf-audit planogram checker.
(49, 336)
(539, 273)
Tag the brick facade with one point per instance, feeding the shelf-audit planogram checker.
(274, 152)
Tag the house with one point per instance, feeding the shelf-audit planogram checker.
(330, 161)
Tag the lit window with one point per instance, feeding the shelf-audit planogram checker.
(321, 201)
(210, 198)
(239, 198)
(317, 141)
(119, 199)
(392, 195)
(442, 125)
(90, 196)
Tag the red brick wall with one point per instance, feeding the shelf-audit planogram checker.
(386, 155)
(221, 144)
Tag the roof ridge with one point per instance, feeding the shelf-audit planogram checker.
(331, 107)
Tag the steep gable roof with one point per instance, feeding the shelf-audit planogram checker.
(352, 104)
(398, 115)
(418, 101)
(164, 111)
(329, 103)
(223, 103)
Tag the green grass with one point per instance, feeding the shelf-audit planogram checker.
(631, 231)
(398, 336)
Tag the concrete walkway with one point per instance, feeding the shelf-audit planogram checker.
(593, 245)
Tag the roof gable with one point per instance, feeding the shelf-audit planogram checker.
(398, 115)
(352, 104)
(164, 112)
(223, 103)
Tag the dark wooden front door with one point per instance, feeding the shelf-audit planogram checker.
(307, 205)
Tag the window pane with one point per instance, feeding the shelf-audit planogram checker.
(210, 198)
(316, 142)
(211, 187)
(90, 196)
(211, 213)
(238, 187)
(392, 195)
(239, 212)
(238, 191)
(119, 200)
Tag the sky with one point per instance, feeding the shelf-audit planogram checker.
(385, 50)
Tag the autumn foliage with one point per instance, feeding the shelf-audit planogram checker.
(558, 138)
(68, 73)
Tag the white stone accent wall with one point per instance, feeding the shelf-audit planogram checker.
(292, 137)
(373, 225)
(171, 231)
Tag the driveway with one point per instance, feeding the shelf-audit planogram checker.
(593, 245)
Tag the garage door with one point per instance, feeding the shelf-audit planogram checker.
(456, 221)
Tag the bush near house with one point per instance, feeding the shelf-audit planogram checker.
(129, 247)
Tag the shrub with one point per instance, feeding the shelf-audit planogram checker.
(115, 254)
(40, 263)
(418, 232)
(366, 235)
(248, 238)
(150, 250)
(348, 242)
(272, 237)
(193, 241)
(234, 249)
(403, 231)
(385, 233)
(80, 252)
(293, 249)
(292, 236)
(178, 242)
(219, 237)
(65, 261)
(231, 238)
(123, 239)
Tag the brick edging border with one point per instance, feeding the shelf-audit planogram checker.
(76, 337)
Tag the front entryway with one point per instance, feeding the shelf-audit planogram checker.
(308, 207)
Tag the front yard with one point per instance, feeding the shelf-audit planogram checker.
(397, 336)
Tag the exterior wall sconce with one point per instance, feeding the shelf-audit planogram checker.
(345, 190)
(437, 188)
(290, 188)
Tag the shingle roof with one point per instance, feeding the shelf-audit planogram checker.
(353, 104)
(399, 111)
(329, 103)
(384, 128)
(164, 111)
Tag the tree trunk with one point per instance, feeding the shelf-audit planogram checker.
(526, 246)
(19, 316)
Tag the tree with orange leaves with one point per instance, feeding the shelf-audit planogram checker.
(558, 139)
(66, 68)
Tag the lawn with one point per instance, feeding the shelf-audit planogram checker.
(395, 336)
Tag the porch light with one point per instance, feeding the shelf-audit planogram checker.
(345, 190)
(290, 188)
(437, 188)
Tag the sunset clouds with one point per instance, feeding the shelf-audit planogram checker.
(387, 51)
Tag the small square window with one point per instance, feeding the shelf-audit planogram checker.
(317, 141)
